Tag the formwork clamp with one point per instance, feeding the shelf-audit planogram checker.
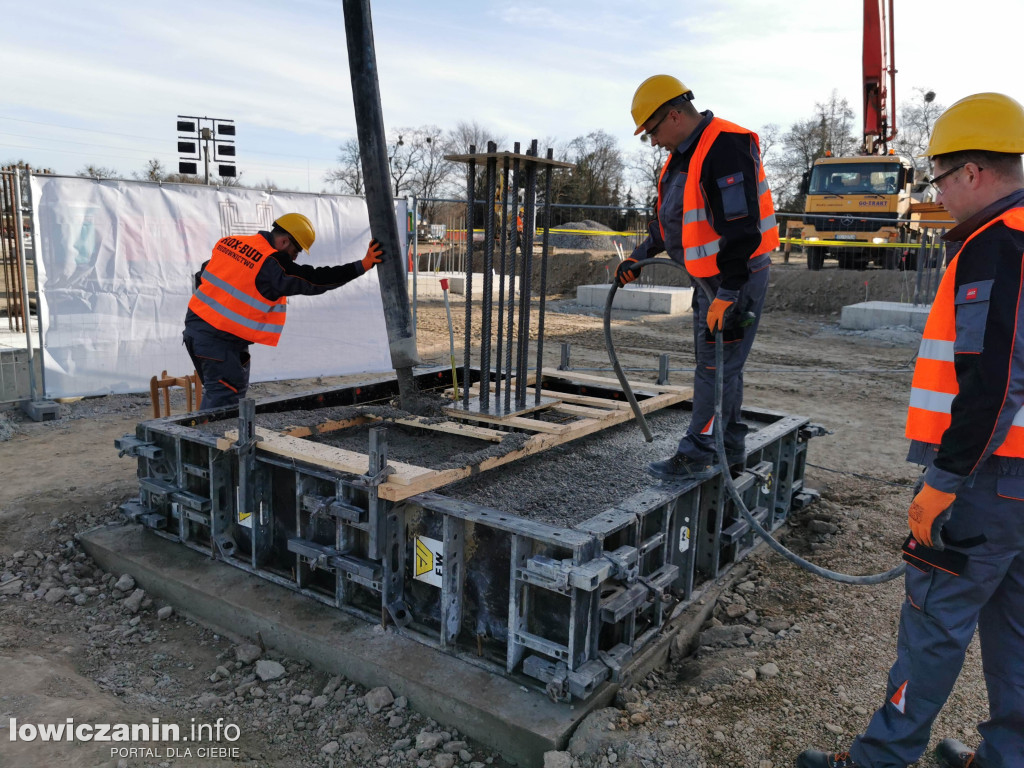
(130, 445)
(372, 481)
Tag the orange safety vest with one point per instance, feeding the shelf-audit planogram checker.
(227, 297)
(934, 384)
(700, 241)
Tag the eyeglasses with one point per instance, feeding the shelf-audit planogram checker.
(654, 129)
(934, 183)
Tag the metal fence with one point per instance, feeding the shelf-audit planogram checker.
(20, 365)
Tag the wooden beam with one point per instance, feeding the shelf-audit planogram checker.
(613, 383)
(327, 455)
(327, 426)
(451, 427)
(533, 425)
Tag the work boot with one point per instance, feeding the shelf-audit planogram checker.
(812, 758)
(955, 754)
(681, 467)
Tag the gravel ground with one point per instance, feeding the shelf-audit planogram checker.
(787, 661)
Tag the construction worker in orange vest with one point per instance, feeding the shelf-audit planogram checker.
(715, 217)
(965, 553)
(240, 299)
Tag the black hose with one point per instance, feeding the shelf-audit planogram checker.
(875, 578)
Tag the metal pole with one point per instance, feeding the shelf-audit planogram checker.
(7, 254)
(501, 281)
(543, 279)
(35, 265)
(485, 299)
(468, 294)
(525, 295)
(380, 203)
(19, 240)
(415, 256)
(512, 283)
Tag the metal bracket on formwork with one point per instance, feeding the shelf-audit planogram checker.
(555, 675)
(625, 561)
(615, 659)
(225, 546)
(585, 680)
(333, 506)
(814, 430)
(399, 613)
(547, 573)
(130, 445)
(622, 603)
(663, 370)
(565, 363)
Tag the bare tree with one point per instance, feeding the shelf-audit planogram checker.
(597, 176)
(915, 127)
(348, 176)
(91, 171)
(644, 166)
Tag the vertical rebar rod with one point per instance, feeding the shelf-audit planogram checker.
(415, 259)
(503, 258)
(490, 186)
(512, 282)
(543, 279)
(526, 292)
(470, 199)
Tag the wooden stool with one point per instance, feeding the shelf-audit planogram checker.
(191, 384)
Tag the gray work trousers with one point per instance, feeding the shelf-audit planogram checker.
(937, 623)
(699, 441)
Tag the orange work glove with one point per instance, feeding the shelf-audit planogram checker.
(627, 272)
(374, 255)
(929, 511)
(716, 313)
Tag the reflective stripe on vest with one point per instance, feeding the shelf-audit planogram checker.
(934, 386)
(227, 297)
(700, 241)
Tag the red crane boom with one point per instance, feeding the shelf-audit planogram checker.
(879, 60)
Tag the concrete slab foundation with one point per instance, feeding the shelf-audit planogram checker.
(495, 711)
(869, 315)
(428, 284)
(662, 299)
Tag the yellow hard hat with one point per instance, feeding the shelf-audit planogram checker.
(987, 121)
(652, 93)
(299, 227)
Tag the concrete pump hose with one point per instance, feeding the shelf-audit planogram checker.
(875, 578)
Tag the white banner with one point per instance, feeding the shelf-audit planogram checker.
(116, 261)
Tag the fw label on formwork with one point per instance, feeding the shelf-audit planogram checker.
(429, 560)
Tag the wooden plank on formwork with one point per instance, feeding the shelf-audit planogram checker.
(569, 397)
(613, 383)
(579, 410)
(451, 427)
(327, 426)
(536, 444)
(519, 422)
(326, 455)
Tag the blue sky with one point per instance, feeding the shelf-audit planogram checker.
(102, 82)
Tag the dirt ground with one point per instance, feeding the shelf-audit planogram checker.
(804, 665)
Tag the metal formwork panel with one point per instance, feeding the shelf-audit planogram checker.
(565, 607)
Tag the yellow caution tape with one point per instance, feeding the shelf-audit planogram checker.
(846, 243)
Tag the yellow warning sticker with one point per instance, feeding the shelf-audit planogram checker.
(428, 560)
(424, 558)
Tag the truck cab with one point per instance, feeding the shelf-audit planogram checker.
(855, 206)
